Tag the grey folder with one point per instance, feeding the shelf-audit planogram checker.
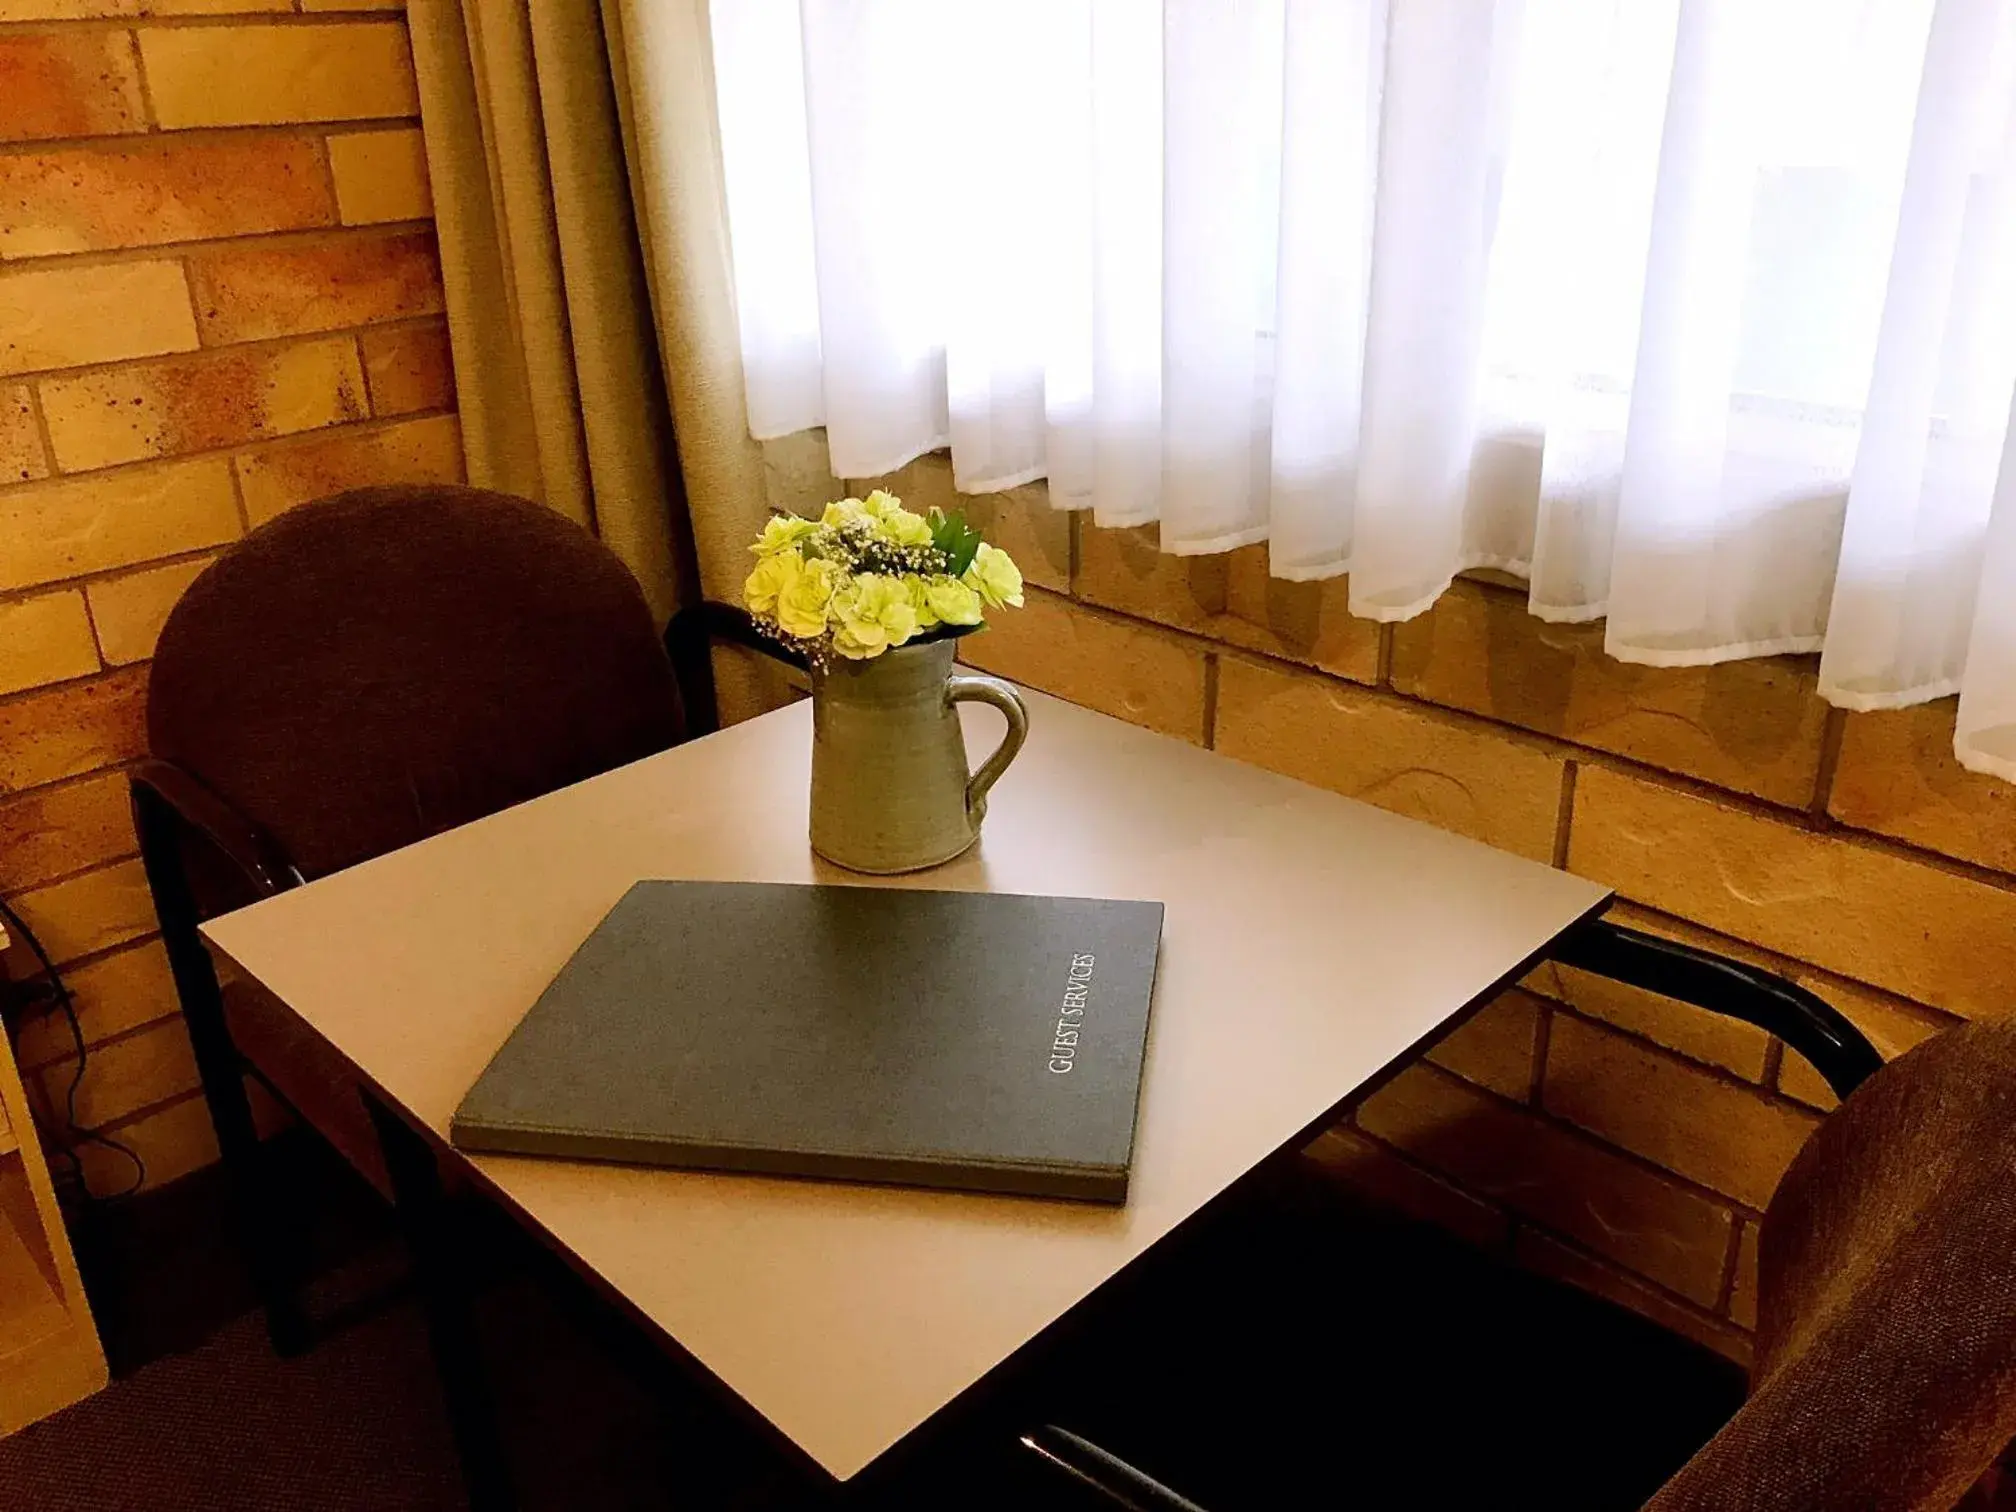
(986, 1041)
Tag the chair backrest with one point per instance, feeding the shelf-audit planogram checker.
(1886, 1367)
(372, 668)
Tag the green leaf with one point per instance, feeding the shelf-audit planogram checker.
(958, 540)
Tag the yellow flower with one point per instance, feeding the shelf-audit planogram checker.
(773, 574)
(803, 602)
(920, 600)
(783, 533)
(953, 602)
(896, 522)
(842, 512)
(871, 614)
(995, 577)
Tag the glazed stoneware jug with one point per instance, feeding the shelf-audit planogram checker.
(890, 788)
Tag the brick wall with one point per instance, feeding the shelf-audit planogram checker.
(1606, 1136)
(219, 297)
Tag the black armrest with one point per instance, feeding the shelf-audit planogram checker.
(1805, 1021)
(1112, 1477)
(241, 842)
(690, 639)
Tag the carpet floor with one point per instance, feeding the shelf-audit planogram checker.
(355, 1424)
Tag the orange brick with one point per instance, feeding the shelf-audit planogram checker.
(1020, 521)
(380, 176)
(64, 317)
(1128, 570)
(141, 194)
(412, 451)
(73, 729)
(1128, 671)
(113, 995)
(1495, 1049)
(84, 10)
(84, 915)
(246, 293)
(52, 832)
(123, 1076)
(70, 526)
(215, 399)
(1892, 1025)
(1693, 1032)
(1574, 1186)
(44, 639)
(1918, 930)
(1549, 1257)
(1024, 523)
(1303, 622)
(21, 458)
(1691, 1122)
(69, 84)
(1228, 597)
(171, 1140)
(1387, 1179)
(1754, 726)
(409, 368)
(1743, 1295)
(256, 75)
(1453, 773)
(129, 611)
(1898, 776)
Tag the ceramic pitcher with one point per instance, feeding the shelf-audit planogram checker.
(890, 788)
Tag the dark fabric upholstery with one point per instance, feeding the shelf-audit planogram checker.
(371, 669)
(1886, 1367)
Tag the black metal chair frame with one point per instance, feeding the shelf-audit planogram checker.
(1806, 1023)
(172, 807)
(174, 810)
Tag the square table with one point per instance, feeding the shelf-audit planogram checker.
(1312, 946)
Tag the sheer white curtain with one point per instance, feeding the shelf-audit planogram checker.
(1698, 314)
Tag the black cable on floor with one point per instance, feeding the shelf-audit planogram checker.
(74, 1135)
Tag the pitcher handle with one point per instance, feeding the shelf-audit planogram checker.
(965, 688)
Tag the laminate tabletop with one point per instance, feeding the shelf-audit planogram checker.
(1310, 944)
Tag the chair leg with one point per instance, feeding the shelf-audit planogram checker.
(428, 1225)
(269, 1229)
(267, 1233)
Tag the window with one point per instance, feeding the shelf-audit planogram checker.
(1697, 315)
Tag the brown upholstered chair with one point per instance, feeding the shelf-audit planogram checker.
(1886, 1345)
(356, 675)
(1885, 1376)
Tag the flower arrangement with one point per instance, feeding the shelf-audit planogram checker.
(869, 575)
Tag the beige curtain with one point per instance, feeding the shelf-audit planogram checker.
(556, 361)
(666, 98)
